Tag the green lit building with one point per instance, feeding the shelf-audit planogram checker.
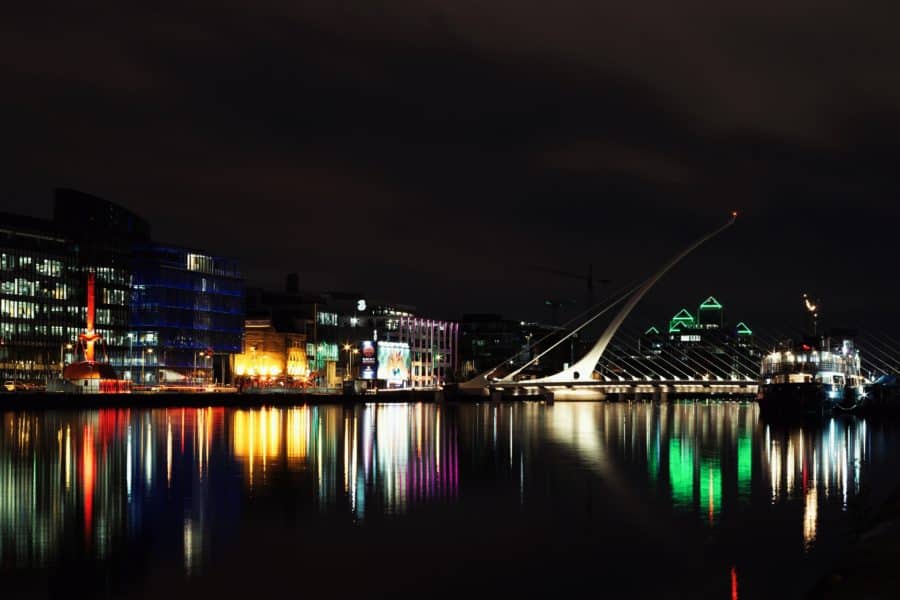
(704, 341)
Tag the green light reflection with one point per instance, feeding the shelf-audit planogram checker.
(681, 472)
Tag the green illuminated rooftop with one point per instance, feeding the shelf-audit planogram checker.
(684, 319)
(710, 304)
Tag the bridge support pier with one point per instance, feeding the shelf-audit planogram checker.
(547, 395)
(496, 395)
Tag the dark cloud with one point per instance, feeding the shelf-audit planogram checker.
(429, 152)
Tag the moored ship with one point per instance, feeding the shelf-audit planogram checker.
(813, 376)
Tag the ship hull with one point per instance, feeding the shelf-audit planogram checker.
(784, 399)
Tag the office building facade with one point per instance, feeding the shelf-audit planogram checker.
(157, 307)
(40, 310)
(186, 314)
(433, 348)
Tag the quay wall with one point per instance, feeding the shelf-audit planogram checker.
(41, 400)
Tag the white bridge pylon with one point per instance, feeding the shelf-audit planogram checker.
(583, 369)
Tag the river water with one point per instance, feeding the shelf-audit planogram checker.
(685, 500)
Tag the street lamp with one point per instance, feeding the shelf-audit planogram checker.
(130, 355)
(143, 362)
(62, 365)
(347, 349)
(203, 355)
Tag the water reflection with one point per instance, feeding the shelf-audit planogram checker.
(816, 464)
(395, 451)
(706, 452)
(696, 448)
(92, 483)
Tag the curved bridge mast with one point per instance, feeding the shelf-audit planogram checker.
(583, 369)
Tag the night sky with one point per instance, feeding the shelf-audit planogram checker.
(430, 152)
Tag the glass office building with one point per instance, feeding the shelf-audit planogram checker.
(186, 315)
(170, 313)
(39, 310)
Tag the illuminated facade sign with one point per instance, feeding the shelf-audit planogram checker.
(367, 354)
(393, 363)
(368, 360)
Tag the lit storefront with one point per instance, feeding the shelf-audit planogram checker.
(271, 357)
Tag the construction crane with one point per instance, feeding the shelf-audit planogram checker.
(588, 279)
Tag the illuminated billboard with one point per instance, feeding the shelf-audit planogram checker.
(368, 360)
(393, 363)
(367, 353)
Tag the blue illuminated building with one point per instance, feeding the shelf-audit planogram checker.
(186, 314)
(166, 314)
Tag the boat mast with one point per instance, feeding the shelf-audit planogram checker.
(813, 309)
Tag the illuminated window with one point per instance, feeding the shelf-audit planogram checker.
(111, 296)
(49, 267)
(18, 310)
(24, 287)
(199, 262)
(327, 318)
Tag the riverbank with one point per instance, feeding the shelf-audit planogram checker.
(32, 400)
(868, 568)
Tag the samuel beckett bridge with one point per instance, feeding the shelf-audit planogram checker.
(722, 366)
(691, 358)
